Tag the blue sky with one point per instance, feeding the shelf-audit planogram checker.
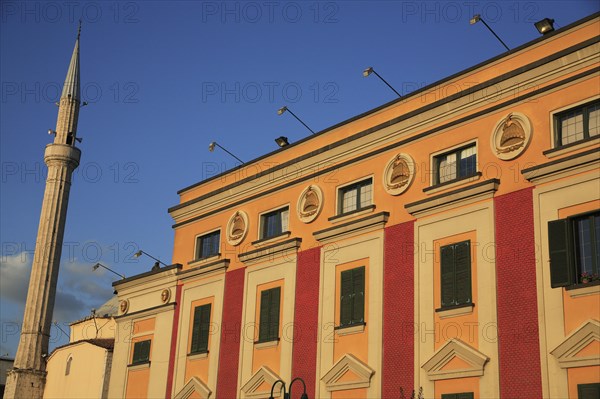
(164, 79)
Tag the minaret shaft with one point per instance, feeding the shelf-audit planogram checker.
(27, 378)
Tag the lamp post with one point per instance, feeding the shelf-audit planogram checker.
(288, 395)
(140, 252)
(97, 265)
(370, 70)
(283, 109)
(476, 18)
(211, 148)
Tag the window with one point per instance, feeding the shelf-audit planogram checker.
(201, 329)
(274, 223)
(268, 329)
(352, 297)
(574, 249)
(355, 196)
(455, 164)
(208, 245)
(455, 271)
(577, 123)
(588, 391)
(464, 395)
(68, 368)
(141, 352)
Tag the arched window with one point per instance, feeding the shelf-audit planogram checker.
(68, 367)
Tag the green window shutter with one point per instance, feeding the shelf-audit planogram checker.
(465, 395)
(588, 391)
(141, 352)
(561, 263)
(346, 298)
(358, 283)
(263, 327)
(196, 330)
(449, 396)
(274, 313)
(202, 315)
(447, 275)
(462, 272)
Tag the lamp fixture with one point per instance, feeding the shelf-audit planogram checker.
(282, 141)
(545, 26)
(283, 109)
(140, 252)
(476, 18)
(288, 395)
(97, 265)
(212, 145)
(370, 70)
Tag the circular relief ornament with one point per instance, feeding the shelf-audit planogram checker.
(398, 174)
(237, 227)
(124, 306)
(511, 136)
(165, 295)
(310, 203)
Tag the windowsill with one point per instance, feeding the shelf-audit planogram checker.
(349, 215)
(204, 260)
(452, 183)
(577, 290)
(197, 355)
(350, 329)
(138, 366)
(266, 344)
(456, 310)
(264, 241)
(563, 149)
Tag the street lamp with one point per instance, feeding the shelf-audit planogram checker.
(283, 109)
(545, 26)
(288, 395)
(97, 265)
(282, 141)
(211, 148)
(370, 70)
(140, 252)
(476, 18)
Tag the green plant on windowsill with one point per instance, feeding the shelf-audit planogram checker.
(588, 277)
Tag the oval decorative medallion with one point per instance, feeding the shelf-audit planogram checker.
(398, 174)
(165, 295)
(310, 203)
(511, 136)
(124, 306)
(237, 227)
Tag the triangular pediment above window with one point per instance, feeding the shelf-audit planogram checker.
(575, 351)
(194, 385)
(455, 360)
(348, 373)
(259, 385)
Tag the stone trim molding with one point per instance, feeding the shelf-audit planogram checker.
(146, 312)
(194, 385)
(368, 223)
(218, 266)
(348, 363)
(451, 199)
(284, 247)
(566, 352)
(550, 170)
(264, 375)
(455, 348)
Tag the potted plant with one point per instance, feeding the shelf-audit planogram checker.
(586, 277)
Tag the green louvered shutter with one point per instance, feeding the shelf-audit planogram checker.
(462, 272)
(561, 262)
(263, 328)
(346, 298)
(358, 283)
(196, 329)
(274, 313)
(588, 391)
(204, 328)
(447, 275)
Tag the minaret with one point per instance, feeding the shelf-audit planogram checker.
(27, 378)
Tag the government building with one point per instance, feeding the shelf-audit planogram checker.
(447, 242)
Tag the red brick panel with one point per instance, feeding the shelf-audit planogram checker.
(518, 337)
(174, 337)
(306, 318)
(398, 311)
(230, 334)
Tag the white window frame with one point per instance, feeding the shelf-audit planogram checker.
(260, 221)
(433, 155)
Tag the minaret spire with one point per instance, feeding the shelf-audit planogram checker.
(28, 376)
